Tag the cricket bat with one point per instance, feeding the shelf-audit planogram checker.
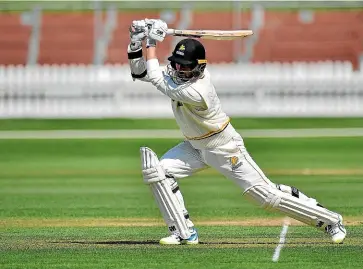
(211, 34)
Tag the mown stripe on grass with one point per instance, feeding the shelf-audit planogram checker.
(168, 134)
(208, 172)
(149, 222)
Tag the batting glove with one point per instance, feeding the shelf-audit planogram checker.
(157, 29)
(138, 30)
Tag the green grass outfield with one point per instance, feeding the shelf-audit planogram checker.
(127, 247)
(238, 123)
(82, 203)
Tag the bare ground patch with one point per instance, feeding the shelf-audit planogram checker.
(150, 222)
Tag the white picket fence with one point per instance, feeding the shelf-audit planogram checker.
(269, 89)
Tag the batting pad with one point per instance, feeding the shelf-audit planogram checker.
(275, 200)
(166, 200)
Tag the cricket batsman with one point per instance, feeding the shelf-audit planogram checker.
(210, 140)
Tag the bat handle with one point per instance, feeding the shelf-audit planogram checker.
(170, 31)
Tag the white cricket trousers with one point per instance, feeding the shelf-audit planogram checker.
(232, 160)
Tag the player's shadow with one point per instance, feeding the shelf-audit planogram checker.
(152, 242)
(119, 242)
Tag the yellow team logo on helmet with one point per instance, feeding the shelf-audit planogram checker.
(181, 50)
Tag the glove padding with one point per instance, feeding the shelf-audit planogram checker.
(138, 30)
(152, 29)
(157, 29)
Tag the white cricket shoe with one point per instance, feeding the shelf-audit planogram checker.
(337, 231)
(175, 239)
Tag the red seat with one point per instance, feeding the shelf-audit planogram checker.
(13, 40)
(334, 35)
(69, 38)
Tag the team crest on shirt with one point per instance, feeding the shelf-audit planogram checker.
(235, 162)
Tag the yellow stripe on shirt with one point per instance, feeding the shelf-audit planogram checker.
(210, 133)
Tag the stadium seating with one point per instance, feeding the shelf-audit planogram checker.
(66, 39)
(69, 38)
(13, 40)
(335, 36)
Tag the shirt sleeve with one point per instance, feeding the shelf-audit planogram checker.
(164, 83)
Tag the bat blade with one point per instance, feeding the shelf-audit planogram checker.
(211, 34)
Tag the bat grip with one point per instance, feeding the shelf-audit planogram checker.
(170, 32)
